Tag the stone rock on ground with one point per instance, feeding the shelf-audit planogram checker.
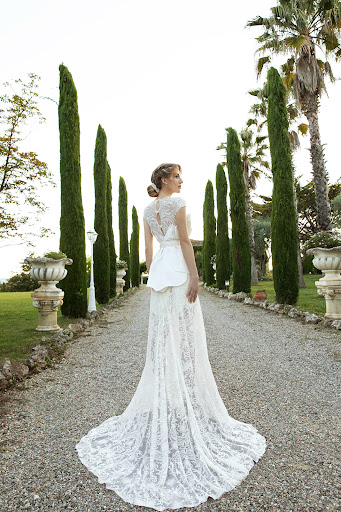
(281, 376)
(5, 373)
(6, 368)
(12, 370)
(336, 324)
(19, 370)
(312, 319)
(38, 357)
(76, 328)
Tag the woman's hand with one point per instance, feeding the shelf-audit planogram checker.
(193, 289)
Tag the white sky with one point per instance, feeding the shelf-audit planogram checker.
(163, 78)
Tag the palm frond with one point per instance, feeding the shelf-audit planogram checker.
(251, 122)
(328, 71)
(261, 63)
(259, 139)
(303, 128)
(297, 41)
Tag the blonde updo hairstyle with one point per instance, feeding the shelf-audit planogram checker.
(162, 171)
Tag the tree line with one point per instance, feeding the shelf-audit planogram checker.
(294, 29)
(72, 229)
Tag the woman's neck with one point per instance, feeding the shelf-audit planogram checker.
(163, 196)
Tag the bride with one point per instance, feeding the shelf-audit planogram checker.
(175, 444)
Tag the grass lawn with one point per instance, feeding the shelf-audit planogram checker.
(18, 320)
(308, 299)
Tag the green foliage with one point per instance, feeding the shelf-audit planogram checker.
(198, 262)
(323, 239)
(223, 270)
(22, 282)
(72, 225)
(294, 25)
(308, 267)
(198, 256)
(101, 246)
(112, 252)
(241, 256)
(134, 250)
(143, 267)
(20, 171)
(209, 247)
(123, 227)
(203, 246)
(54, 255)
(306, 207)
(283, 218)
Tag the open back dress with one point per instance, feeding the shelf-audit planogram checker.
(175, 444)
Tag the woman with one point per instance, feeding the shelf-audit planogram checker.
(175, 444)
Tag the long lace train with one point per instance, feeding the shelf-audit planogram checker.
(175, 443)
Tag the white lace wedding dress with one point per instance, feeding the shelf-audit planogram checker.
(175, 444)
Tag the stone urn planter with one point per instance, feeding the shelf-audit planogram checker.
(329, 262)
(47, 299)
(120, 282)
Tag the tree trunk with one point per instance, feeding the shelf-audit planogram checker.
(301, 282)
(248, 209)
(324, 215)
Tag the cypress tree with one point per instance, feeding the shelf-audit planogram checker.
(283, 216)
(203, 245)
(101, 247)
(241, 256)
(72, 225)
(209, 233)
(222, 241)
(134, 250)
(112, 252)
(123, 227)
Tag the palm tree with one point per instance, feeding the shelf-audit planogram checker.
(254, 159)
(298, 27)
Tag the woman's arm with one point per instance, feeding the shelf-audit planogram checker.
(187, 250)
(148, 242)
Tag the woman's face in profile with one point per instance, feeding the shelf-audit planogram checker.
(174, 182)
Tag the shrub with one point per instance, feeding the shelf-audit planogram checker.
(55, 255)
(20, 283)
(323, 239)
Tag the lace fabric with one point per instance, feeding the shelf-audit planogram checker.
(165, 209)
(168, 267)
(175, 444)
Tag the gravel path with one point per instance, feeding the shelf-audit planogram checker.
(271, 371)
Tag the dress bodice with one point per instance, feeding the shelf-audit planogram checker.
(168, 267)
(161, 214)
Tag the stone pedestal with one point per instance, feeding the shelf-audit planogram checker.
(47, 299)
(120, 282)
(47, 305)
(329, 286)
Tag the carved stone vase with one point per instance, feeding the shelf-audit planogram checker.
(120, 282)
(329, 262)
(47, 299)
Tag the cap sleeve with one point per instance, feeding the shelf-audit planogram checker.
(180, 203)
